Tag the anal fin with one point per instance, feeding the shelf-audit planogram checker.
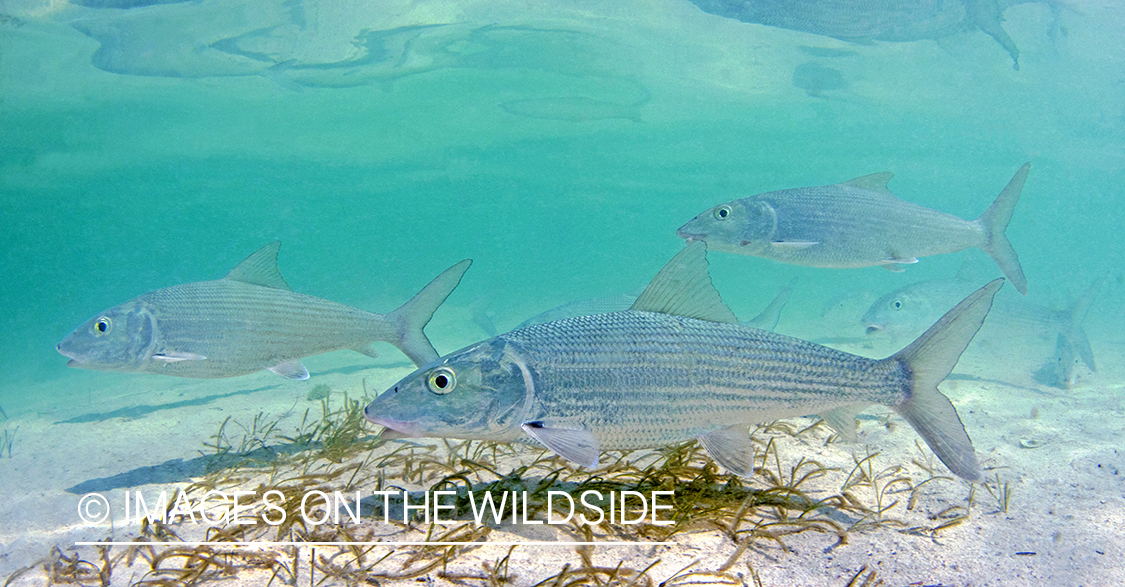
(367, 350)
(842, 420)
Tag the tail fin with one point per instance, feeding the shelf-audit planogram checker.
(994, 221)
(930, 358)
(413, 316)
(1071, 323)
(481, 316)
(768, 318)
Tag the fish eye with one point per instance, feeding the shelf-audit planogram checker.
(897, 305)
(442, 380)
(103, 325)
(722, 212)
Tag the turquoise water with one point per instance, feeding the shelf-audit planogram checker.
(558, 147)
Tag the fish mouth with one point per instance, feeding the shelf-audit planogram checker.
(392, 428)
(690, 237)
(874, 328)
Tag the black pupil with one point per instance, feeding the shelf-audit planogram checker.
(441, 381)
(723, 213)
(102, 326)
(898, 305)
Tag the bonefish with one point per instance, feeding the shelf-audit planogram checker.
(858, 223)
(673, 367)
(245, 322)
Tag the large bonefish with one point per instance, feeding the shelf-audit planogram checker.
(673, 367)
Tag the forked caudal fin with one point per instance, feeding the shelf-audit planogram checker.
(930, 359)
(994, 222)
(1071, 323)
(413, 316)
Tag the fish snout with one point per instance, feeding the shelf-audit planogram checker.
(75, 358)
(688, 235)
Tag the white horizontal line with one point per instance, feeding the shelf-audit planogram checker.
(277, 544)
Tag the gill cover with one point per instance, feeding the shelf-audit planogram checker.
(120, 339)
(476, 393)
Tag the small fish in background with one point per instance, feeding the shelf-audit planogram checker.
(816, 79)
(586, 307)
(123, 4)
(767, 319)
(573, 109)
(673, 367)
(831, 52)
(1015, 326)
(863, 21)
(245, 322)
(858, 223)
(1060, 370)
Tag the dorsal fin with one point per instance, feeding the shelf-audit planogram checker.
(683, 288)
(260, 268)
(876, 182)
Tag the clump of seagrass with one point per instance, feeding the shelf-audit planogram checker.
(332, 451)
(6, 441)
(318, 392)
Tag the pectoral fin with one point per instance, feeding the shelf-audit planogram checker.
(570, 442)
(892, 263)
(291, 370)
(175, 357)
(731, 448)
(795, 244)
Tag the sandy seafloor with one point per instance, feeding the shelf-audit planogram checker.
(564, 176)
(1065, 524)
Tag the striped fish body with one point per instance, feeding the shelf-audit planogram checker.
(241, 328)
(676, 366)
(644, 379)
(858, 223)
(850, 226)
(248, 321)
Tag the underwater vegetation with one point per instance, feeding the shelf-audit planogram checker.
(6, 441)
(318, 392)
(791, 493)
